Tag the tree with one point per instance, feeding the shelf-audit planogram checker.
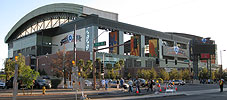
(139, 73)
(217, 74)
(153, 73)
(122, 63)
(109, 66)
(25, 73)
(109, 74)
(213, 75)
(9, 68)
(81, 65)
(117, 66)
(203, 74)
(87, 69)
(180, 75)
(173, 74)
(57, 64)
(129, 75)
(164, 75)
(186, 74)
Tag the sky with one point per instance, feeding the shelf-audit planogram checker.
(205, 18)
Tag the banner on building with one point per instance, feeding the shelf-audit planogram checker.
(153, 48)
(173, 51)
(212, 57)
(135, 47)
(113, 41)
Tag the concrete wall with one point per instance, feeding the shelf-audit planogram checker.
(10, 53)
(100, 13)
(25, 42)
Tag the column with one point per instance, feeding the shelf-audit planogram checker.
(142, 45)
(121, 41)
(93, 33)
(160, 48)
(142, 48)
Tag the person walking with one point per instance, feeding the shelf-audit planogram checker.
(130, 83)
(221, 82)
(118, 83)
(137, 85)
(121, 82)
(150, 86)
(106, 84)
(103, 83)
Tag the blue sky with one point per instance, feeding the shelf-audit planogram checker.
(206, 18)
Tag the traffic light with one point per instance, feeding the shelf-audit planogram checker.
(157, 61)
(73, 62)
(166, 61)
(102, 68)
(135, 43)
(16, 58)
(175, 62)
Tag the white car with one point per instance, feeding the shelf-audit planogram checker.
(2, 84)
(88, 83)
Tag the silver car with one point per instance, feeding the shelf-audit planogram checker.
(2, 84)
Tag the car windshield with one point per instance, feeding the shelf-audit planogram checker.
(41, 80)
(115, 82)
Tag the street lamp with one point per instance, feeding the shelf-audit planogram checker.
(221, 63)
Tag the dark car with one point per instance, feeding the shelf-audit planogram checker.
(39, 83)
(9, 83)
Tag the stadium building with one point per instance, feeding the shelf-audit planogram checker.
(43, 32)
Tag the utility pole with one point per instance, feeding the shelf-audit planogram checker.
(15, 84)
(63, 65)
(94, 69)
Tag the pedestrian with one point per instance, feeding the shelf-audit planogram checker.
(106, 84)
(150, 86)
(121, 82)
(221, 82)
(118, 83)
(137, 85)
(103, 83)
(130, 83)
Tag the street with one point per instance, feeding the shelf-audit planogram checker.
(186, 92)
(209, 96)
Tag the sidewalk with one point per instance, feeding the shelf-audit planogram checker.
(9, 93)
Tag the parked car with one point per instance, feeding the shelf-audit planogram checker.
(88, 83)
(2, 84)
(178, 82)
(39, 83)
(143, 82)
(9, 83)
(209, 81)
(114, 84)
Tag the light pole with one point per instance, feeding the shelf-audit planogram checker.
(93, 59)
(221, 63)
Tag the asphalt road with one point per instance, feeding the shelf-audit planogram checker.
(210, 96)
